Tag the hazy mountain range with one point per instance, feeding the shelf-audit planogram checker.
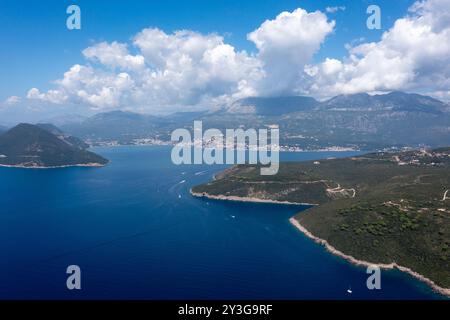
(359, 120)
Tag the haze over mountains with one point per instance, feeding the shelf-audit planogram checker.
(70, 140)
(359, 121)
(273, 106)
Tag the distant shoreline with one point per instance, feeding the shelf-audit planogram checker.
(95, 165)
(246, 199)
(333, 250)
(282, 149)
(329, 247)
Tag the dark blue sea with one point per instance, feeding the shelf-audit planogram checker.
(136, 233)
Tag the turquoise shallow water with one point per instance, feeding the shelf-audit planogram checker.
(136, 233)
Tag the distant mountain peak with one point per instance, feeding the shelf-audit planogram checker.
(273, 106)
(394, 101)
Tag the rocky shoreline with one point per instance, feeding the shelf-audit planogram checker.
(329, 247)
(246, 199)
(333, 250)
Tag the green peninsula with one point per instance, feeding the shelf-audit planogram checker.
(391, 209)
(43, 146)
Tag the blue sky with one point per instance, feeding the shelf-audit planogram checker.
(166, 56)
(37, 48)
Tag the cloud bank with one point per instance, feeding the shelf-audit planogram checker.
(412, 55)
(164, 72)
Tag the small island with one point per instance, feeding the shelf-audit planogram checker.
(44, 146)
(388, 209)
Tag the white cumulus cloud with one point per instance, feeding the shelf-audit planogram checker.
(114, 55)
(334, 9)
(163, 72)
(286, 44)
(412, 55)
(187, 68)
(12, 100)
(53, 96)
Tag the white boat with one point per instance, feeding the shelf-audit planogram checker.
(349, 290)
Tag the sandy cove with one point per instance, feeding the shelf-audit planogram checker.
(333, 250)
(329, 247)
